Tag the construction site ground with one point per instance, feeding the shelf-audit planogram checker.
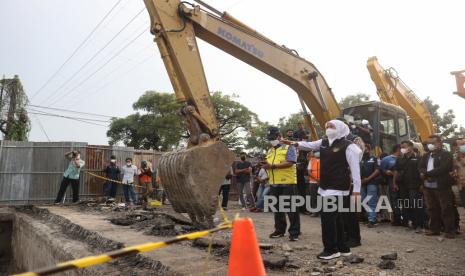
(91, 228)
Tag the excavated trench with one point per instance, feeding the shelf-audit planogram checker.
(32, 238)
(37, 237)
(6, 253)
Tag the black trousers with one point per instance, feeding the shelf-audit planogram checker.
(417, 211)
(351, 223)
(64, 185)
(462, 196)
(313, 187)
(224, 191)
(332, 229)
(280, 224)
(302, 188)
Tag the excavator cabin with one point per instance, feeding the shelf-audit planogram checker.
(390, 124)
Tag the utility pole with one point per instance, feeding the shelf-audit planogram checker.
(1, 96)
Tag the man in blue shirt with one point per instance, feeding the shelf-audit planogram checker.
(387, 168)
(369, 175)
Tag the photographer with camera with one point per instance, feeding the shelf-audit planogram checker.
(71, 176)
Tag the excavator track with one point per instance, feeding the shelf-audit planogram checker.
(192, 177)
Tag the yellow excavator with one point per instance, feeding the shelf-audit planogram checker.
(191, 177)
(392, 90)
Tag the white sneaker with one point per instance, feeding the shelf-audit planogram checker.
(328, 256)
(346, 254)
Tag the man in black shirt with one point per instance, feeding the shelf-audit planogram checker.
(290, 135)
(408, 182)
(112, 171)
(435, 168)
(300, 134)
(242, 171)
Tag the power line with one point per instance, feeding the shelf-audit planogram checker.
(34, 111)
(76, 50)
(70, 118)
(101, 67)
(42, 127)
(95, 55)
(113, 80)
(117, 77)
(70, 111)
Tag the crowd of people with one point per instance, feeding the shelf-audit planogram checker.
(115, 176)
(416, 181)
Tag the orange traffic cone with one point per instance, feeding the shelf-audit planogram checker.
(244, 257)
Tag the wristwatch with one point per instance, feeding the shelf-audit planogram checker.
(273, 166)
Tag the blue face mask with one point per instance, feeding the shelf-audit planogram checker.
(317, 154)
(462, 149)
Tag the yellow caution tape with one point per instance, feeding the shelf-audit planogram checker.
(131, 250)
(112, 180)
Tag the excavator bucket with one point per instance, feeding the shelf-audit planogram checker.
(192, 177)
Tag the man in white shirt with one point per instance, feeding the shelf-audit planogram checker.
(339, 162)
(129, 171)
(263, 190)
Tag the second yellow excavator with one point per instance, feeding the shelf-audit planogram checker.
(391, 89)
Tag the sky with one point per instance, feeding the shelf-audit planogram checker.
(422, 40)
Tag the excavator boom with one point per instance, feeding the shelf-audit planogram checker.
(176, 25)
(391, 89)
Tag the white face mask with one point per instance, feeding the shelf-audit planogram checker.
(431, 147)
(274, 143)
(113, 161)
(331, 133)
(403, 150)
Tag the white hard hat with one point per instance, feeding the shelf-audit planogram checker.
(365, 122)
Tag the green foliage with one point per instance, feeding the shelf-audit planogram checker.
(445, 123)
(257, 144)
(158, 126)
(14, 120)
(352, 100)
(18, 128)
(233, 119)
(291, 123)
(157, 123)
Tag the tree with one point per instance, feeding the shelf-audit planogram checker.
(444, 123)
(257, 144)
(157, 123)
(14, 120)
(233, 119)
(291, 122)
(352, 100)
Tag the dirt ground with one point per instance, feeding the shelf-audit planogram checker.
(417, 254)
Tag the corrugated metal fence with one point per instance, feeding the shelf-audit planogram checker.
(31, 172)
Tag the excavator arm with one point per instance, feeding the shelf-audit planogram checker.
(176, 25)
(391, 89)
